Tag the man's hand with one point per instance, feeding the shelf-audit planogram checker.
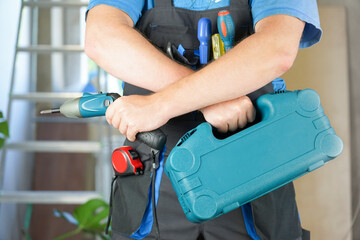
(230, 115)
(134, 114)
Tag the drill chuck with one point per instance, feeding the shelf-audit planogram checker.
(71, 108)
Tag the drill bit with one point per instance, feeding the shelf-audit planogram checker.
(49, 111)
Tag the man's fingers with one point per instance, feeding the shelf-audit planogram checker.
(131, 133)
(115, 121)
(123, 128)
(242, 121)
(223, 128)
(232, 125)
(109, 114)
(251, 115)
(248, 107)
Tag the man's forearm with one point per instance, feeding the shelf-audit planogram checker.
(251, 64)
(124, 53)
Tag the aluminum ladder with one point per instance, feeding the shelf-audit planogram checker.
(95, 147)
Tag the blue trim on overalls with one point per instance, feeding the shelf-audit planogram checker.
(278, 85)
(249, 221)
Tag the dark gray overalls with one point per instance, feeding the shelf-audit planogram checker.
(273, 216)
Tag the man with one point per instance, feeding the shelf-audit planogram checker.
(221, 90)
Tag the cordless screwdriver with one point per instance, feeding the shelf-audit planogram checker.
(89, 105)
(93, 105)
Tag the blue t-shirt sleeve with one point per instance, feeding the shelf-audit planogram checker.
(132, 7)
(305, 10)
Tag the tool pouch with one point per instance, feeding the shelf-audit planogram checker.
(133, 198)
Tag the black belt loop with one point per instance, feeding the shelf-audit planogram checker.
(110, 206)
(163, 3)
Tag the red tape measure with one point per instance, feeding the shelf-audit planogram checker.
(126, 161)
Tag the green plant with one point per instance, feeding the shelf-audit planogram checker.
(91, 218)
(4, 130)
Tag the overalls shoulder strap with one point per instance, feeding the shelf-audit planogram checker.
(162, 3)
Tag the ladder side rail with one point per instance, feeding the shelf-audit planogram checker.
(11, 89)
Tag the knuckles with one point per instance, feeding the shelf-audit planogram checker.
(246, 102)
(232, 115)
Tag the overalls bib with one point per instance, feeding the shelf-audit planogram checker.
(165, 23)
(273, 216)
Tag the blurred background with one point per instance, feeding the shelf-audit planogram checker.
(54, 163)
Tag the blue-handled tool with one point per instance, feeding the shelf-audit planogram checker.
(204, 35)
(93, 105)
(226, 29)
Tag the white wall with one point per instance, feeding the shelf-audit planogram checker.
(324, 196)
(353, 19)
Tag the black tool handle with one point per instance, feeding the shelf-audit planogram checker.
(155, 139)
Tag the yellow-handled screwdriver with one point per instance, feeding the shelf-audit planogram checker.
(217, 46)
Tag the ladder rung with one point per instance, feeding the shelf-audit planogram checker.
(48, 197)
(48, 4)
(52, 49)
(56, 146)
(60, 119)
(46, 96)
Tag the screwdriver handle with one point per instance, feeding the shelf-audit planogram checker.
(204, 35)
(218, 46)
(226, 29)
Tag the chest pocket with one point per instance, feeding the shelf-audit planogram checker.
(165, 23)
(161, 34)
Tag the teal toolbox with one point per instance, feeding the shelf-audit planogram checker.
(213, 176)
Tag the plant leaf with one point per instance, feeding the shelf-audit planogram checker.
(4, 128)
(1, 114)
(91, 215)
